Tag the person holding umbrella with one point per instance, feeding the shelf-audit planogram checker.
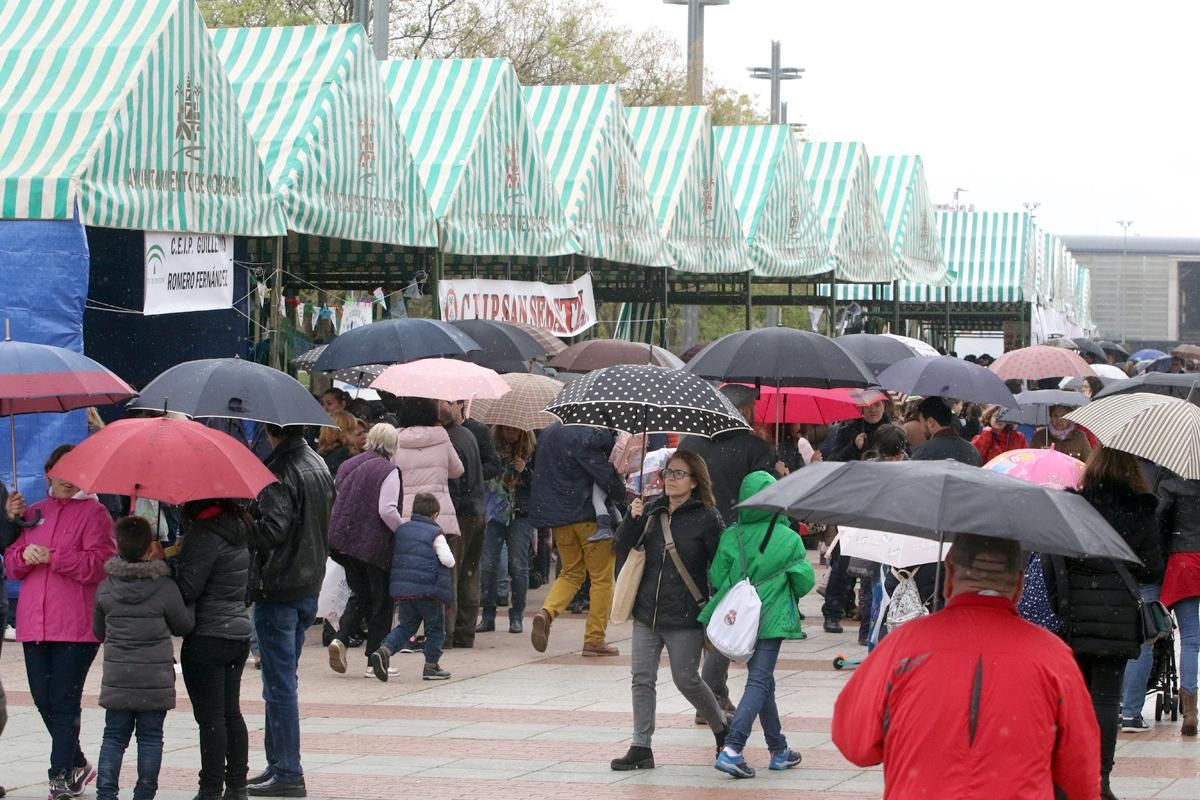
(998, 436)
(1179, 513)
(60, 563)
(1063, 435)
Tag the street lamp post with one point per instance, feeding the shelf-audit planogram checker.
(1125, 225)
(776, 74)
(695, 50)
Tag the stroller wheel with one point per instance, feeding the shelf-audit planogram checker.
(1158, 707)
(1175, 708)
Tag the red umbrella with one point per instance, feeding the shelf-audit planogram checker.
(811, 406)
(170, 460)
(1040, 361)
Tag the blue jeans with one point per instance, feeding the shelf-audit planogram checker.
(281, 627)
(411, 614)
(1187, 614)
(518, 537)
(118, 727)
(1137, 670)
(758, 701)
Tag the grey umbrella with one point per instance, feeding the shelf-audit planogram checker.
(1184, 385)
(1033, 408)
(946, 376)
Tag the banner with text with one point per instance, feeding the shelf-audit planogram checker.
(563, 309)
(187, 272)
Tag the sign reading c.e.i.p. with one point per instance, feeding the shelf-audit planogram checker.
(187, 272)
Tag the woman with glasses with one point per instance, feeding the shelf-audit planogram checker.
(679, 531)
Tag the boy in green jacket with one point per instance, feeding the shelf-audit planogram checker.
(781, 575)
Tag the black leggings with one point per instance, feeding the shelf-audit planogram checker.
(212, 671)
(56, 672)
(1104, 676)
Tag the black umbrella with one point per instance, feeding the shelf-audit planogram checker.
(394, 341)
(505, 348)
(781, 357)
(946, 376)
(938, 499)
(1033, 408)
(1185, 385)
(1088, 347)
(1113, 347)
(641, 398)
(231, 388)
(877, 352)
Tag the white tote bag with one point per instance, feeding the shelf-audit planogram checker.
(733, 627)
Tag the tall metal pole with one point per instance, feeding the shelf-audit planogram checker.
(382, 10)
(1125, 224)
(776, 74)
(276, 297)
(362, 12)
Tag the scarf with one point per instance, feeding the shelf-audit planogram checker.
(1062, 435)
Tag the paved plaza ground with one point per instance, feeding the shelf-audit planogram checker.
(514, 723)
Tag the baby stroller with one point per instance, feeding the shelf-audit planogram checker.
(1164, 680)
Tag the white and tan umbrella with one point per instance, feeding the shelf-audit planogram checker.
(1165, 430)
(524, 406)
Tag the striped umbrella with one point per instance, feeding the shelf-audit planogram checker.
(1041, 361)
(1165, 430)
(524, 406)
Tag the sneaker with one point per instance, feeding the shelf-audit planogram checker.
(433, 672)
(10, 633)
(77, 779)
(59, 790)
(785, 759)
(1134, 724)
(337, 656)
(733, 765)
(393, 672)
(541, 630)
(379, 664)
(257, 659)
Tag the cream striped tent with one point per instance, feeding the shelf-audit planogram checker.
(591, 156)
(688, 188)
(785, 236)
(121, 110)
(993, 256)
(320, 114)
(839, 176)
(479, 158)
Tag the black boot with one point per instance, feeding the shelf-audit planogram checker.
(833, 625)
(636, 758)
(1106, 792)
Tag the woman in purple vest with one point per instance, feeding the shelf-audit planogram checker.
(365, 514)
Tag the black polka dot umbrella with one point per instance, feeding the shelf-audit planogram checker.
(641, 398)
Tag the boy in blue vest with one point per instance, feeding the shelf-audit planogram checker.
(421, 585)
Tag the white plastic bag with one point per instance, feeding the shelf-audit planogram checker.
(733, 627)
(335, 593)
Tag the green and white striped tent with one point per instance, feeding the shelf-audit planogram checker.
(123, 110)
(785, 235)
(839, 177)
(910, 218)
(324, 125)
(688, 188)
(993, 256)
(591, 156)
(479, 158)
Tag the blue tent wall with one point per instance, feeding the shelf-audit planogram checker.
(136, 347)
(43, 285)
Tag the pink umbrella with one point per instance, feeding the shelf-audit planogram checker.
(811, 406)
(1041, 361)
(442, 379)
(1048, 468)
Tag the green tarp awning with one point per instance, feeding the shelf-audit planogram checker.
(324, 125)
(591, 156)
(479, 157)
(123, 110)
(688, 188)
(910, 219)
(991, 254)
(785, 236)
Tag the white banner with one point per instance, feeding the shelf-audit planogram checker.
(563, 309)
(187, 272)
(355, 315)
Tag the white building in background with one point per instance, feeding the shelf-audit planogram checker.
(1145, 290)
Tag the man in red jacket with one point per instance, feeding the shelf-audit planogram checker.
(973, 702)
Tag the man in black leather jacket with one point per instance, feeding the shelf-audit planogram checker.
(289, 547)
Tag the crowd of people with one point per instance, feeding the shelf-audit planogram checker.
(438, 521)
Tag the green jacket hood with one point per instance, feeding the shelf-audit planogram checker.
(754, 483)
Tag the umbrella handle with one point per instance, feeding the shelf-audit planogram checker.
(30, 523)
(937, 573)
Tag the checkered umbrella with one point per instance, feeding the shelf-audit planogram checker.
(551, 343)
(1041, 361)
(524, 406)
(646, 399)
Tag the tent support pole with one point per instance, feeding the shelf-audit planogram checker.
(439, 268)
(662, 325)
(896, 307)
(749, 301)
(949, 332)
(276, 298)
(833, 331)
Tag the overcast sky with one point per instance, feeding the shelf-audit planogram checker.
(1089, 108)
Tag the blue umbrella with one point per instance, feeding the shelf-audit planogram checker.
(946, 376)
(1148, 354)
(394, 341)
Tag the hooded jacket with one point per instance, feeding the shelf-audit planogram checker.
(568, 461)
(991, 443)
(57, 598)
(1179, 512)
(730, 457)
(212, 571)
(427, 463)
(781, 573)
(841, 440)
(663, 599)
(138, 609)
(291, 540)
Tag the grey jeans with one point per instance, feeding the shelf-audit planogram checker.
(683, 648)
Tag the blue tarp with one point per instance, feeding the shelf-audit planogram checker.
(44, 280)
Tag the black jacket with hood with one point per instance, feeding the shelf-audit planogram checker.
(1179, 513)
(138, 609)
(212, 571)
(663, 599)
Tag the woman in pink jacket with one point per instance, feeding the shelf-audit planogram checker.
(426, 459)
(60, 561)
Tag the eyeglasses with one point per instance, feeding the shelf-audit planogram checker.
(678, 474)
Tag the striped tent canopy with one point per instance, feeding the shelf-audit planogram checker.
(325, 127)
(910, 218)
(992, 255)
(839, 176)
(688, 188)
(785, 236)
(591, 156)
(123, 111)
(479, 158)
